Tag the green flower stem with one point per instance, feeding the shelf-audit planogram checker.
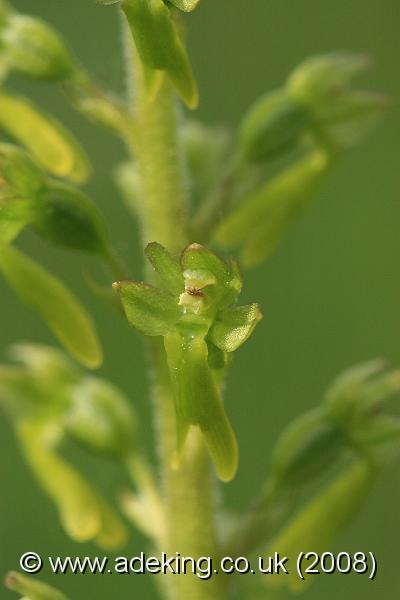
(188, 490)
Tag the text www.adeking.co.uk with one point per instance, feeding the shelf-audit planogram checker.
(203, 567)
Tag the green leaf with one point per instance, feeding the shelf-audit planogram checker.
(275, 124)
(159, 45)
(99, 418)
(31, 47)
(167, 268)
(234, 326)
(55, 303)
(317, 525)
(151, 310)
(31, 588)
(198, 401)
(65, 216)
(49, 143)
(260, 220)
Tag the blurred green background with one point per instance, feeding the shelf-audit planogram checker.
(330, 295)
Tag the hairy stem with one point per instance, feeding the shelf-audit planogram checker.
(187, 490)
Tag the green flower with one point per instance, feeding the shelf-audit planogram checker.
(194, 310)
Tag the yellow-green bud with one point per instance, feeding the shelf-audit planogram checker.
(31, 47)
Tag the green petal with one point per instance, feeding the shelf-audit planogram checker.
(167, 268)
(59, 308)
(198, 401)
(152, 311)
(228, 280)
(233, 327)
(50, 144)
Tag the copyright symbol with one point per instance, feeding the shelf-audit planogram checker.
(30, 562)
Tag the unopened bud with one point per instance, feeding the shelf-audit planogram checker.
(100, 418)
(274, 124)
(33, 48)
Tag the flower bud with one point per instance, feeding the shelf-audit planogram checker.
(84, 513)
(49, 143)
(317, 524)
(100, 418)
(273, 125)
(19, 171)
(307, 447)
(320, 77)
(66, 217)
(31, 47)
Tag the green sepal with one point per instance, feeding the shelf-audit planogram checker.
(167, 268)
(150, 310)
(234, 326)
(31, 47)
(198, 401)
(100, 419)
(65, 216)
(32, 588)
(49, 143)
(84, 513)
(159, 45)
(275, 124)
(261, 219)
(316, 526)
(308, 447)
(54, 302)
(228, 282)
